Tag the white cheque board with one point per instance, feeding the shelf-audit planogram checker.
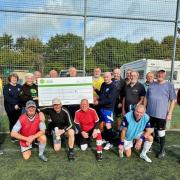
(69, 89)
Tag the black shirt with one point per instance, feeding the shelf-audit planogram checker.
(133, 94)
(61, 120)
(28, 93)
(120, 84)
(11, 96)
(107, 96)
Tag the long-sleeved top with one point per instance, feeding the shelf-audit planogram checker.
(62, 120)
(11, 96)
(28, 93)
(107, 96)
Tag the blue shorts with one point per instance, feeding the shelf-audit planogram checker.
(106, 115)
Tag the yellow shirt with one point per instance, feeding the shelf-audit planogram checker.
(0, 87)
(97, 84)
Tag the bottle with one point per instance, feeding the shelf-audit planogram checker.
(168, 125)
(121, 153)
(56, 129)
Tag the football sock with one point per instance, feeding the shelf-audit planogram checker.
(41, 148)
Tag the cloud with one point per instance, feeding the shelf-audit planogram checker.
(45, 26)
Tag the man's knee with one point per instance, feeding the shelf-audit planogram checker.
(150, 138)
(71, 133)
(57, 147)
(42, 139)
(26, 155)
(128, 153)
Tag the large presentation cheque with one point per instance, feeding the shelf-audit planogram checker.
(70, 90)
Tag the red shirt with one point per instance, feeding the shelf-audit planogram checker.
(87, 119)
(28, 127)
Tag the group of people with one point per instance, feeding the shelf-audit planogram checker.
(136, 112)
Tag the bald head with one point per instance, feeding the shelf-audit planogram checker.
(117, 73)
(53, 73)
(72, 72)
(107, 77)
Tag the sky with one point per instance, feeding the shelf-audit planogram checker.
(44, 26)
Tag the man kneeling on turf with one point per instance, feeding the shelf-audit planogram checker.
(136, 126)
(62, 125)
(28, 128)
(86, 121)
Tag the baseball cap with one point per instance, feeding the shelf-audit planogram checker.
(161, 71)
(30, 103)
(56, 101)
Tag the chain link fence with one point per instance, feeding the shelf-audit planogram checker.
(56, 34)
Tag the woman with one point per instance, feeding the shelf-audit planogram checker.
(11, 92)
(29, 91)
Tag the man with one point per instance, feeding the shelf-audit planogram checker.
(27, 129)
(53, 73)
(128, 76)
(160, 100)
(37, 75)
(72, 72)
(149, 80)
(106, 102)
(1, 87)
(134, 93)
(136, 126)
(61, 125)
(86, 121)
(120, 84)
(97, 80)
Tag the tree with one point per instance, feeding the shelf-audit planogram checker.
(65, 50)
(6, 41)
(113, 52)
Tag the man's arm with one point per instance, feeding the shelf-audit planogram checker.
(145, 101)
(141, 101)
(15, 132)
(171, 108)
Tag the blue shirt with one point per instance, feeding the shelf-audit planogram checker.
(158, 97)
(134, 127)
(107, 96)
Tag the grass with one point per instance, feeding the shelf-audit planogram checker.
(85, 165)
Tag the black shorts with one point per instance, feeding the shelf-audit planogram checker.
(117, 111)
(158, 123)
(86, 140)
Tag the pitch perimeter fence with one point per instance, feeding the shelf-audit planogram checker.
(47, 34)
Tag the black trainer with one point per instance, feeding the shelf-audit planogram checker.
(161, 155)
(71, 156)
(99, 157)
(43, 158)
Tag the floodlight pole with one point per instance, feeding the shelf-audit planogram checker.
(174, 41)
(84, 48)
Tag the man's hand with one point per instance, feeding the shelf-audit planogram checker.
(169, 117)
(123, 112)
(138, 144)
(30, 139)
(120, 105)
(16, 107)
(121, 147)
(95, 133)
(96, 102)
(84, 134)
(61, 131)
(35, 98)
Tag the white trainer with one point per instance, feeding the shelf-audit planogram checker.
(108, 146)
(145, 157)
(84, 147)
